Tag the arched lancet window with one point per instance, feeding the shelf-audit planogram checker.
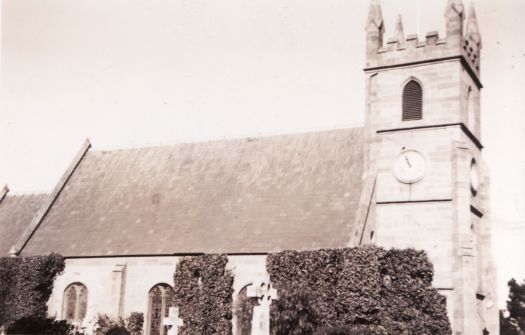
(75, 303)
(412, 101)
(244, 311)
(160, 300)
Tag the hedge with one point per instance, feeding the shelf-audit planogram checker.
(26, 284)
(356, 288)
(203, 292)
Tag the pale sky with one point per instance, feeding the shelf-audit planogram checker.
(132, 72)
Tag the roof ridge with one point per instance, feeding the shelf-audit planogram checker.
(224, 138)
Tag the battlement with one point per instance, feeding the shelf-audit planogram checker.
(411, 50)
(399, 51)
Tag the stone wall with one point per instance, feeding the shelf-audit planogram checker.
(118, 286)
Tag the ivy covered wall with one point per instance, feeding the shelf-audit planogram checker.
(203, 292)
(340, 291)
(365, 290)
(25, 286)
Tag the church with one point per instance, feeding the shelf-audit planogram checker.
(411, 177)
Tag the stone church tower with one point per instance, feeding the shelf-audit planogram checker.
(427, 186)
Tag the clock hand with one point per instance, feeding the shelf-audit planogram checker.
(408, 162)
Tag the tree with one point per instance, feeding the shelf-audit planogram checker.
(514, 322)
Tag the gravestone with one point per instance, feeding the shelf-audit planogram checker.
(173, 321)
(261, 313)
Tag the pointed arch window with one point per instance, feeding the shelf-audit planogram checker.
(160, 301)
(75, 303)
(412, 101)
(244, 311)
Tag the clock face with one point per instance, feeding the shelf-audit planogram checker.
(410, 166)
(474, 178)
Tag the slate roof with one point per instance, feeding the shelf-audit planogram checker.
(16, 213)
(255, 195)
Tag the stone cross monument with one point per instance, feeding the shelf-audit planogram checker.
(261, 313)
(173, 321)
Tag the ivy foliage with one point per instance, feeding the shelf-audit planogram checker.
(356, 290)
(26, 284)
(203, 292)
(298, 312)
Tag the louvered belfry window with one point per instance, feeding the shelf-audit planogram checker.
(412, 101)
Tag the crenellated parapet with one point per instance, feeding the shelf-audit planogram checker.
(459, 43)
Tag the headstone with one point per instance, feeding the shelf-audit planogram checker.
(261, 313)
(173, 321)
(251, 291)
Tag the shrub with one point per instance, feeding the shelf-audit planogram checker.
(132, 325)
(25, 286)
(105, 324)
(359, 290)
(135, 323)
(203, 292)
(40, 326)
